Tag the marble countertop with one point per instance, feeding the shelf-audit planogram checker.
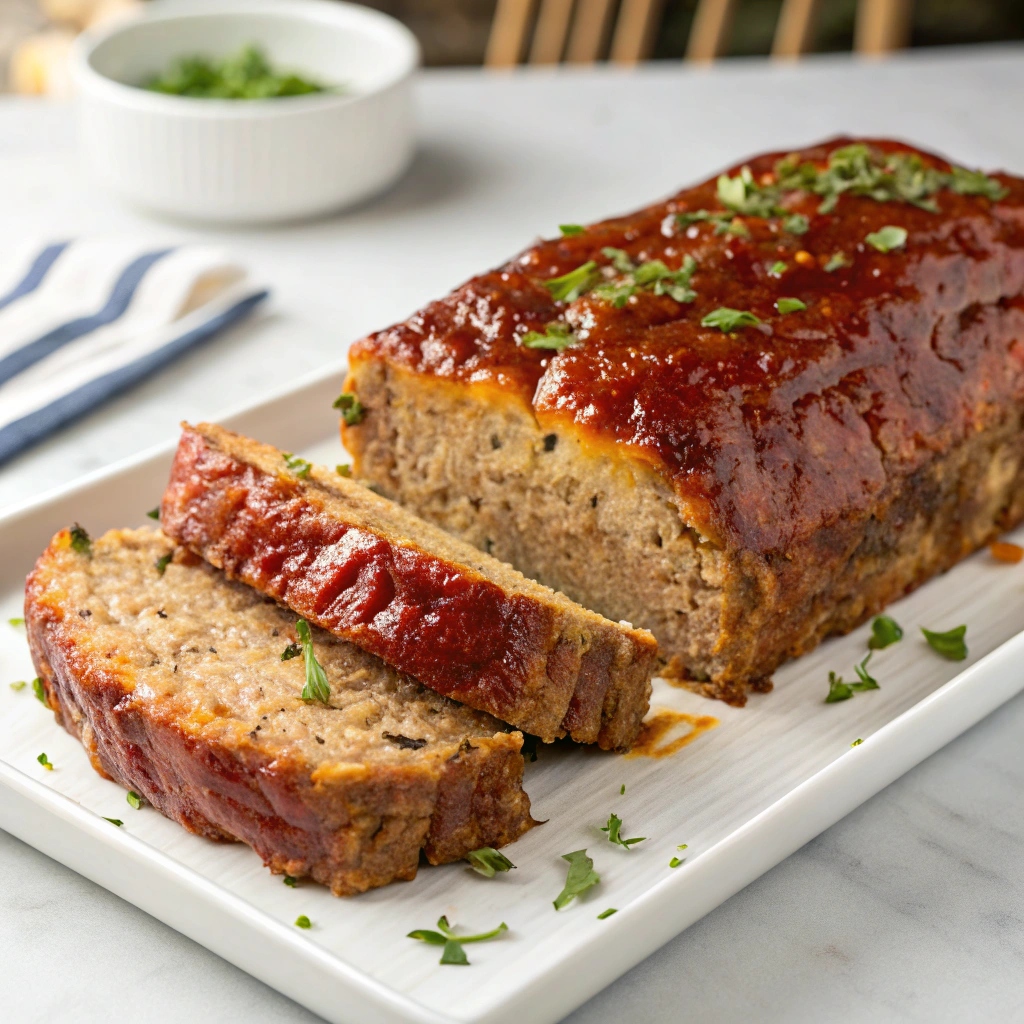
(912, 908)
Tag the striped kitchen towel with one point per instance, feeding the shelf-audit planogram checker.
(81, 321)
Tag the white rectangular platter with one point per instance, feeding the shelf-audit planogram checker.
(743, 796)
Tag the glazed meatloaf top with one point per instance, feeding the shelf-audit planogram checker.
(189, 688)
(672, 333)
(360, 566)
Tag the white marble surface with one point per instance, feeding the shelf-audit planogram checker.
(910, 909)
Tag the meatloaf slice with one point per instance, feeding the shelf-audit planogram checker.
(458, 620)
(173, 679)
(745, 417)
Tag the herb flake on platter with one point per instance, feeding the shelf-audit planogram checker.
(488, 862)
(613, 828)
(580, 877)
(950, 644)
(885, 631)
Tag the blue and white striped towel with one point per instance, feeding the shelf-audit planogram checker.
(81, 321)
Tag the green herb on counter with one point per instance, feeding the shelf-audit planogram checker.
(453, 953)
(290, 881)
(114, 821)
(303, 922)
(950, 644)
(884, 632)
(728, 320)
(837, 689)
(247, 75)
(867, 681)
(134, 799)
(856, 743)
(790, 305)
(80, 541)
(488, 862)
(19, 685)
(45, 762)
(622, 790)
(580, 877)
(317, 687)
(606, 913)
(888, 238)
(556, 337)
(352, 410)
(613, 828)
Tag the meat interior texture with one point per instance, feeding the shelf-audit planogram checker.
(741, 490)
(173, 680)
(458, 620)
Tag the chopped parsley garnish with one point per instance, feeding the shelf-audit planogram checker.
(727, 320)
(294, 464)
(606, 913)
(580, 877)
(343, 469)
(163, 561)
(39, 691)
(488, 862)
(571, 230)
(556, 336)
(80, 541)
(291, 651)
(19, 685)
(114, 821)
(796, 224)
(884, 632)
(743, 195)
(676, 861)
(569, 287)
(613, 828)
(154, 513)
(857, 742)
(653, 275)
(352, 410)
(45, 762)
(290, 881)
(867, 681)
(837, 689)
(134, 799)
(16, 621)
(976, 183)
(453, 953)
(888, 238)
(622, 789)
(777, 269)
(316, 687)
(789, 305)
(836, 261)
(303, 922)
(949, 644)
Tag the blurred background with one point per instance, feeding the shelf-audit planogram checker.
(35, 34)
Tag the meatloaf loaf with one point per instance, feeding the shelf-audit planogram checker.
(173, 679)
(745, 418)
(356, 564)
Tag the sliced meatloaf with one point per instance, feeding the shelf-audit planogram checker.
(457, 619)
(173, 679)
(744, 418)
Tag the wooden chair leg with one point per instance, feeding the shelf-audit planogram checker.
(589, 31)
(634, 31)
(508, 33)
(794, 31)
(710, 31)
(552, 29)
(881, 26)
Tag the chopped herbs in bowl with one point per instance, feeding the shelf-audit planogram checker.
(247, 75)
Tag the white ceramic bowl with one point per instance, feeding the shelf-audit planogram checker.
(246, 161)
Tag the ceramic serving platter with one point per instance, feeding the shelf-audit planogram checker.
(741, 795)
